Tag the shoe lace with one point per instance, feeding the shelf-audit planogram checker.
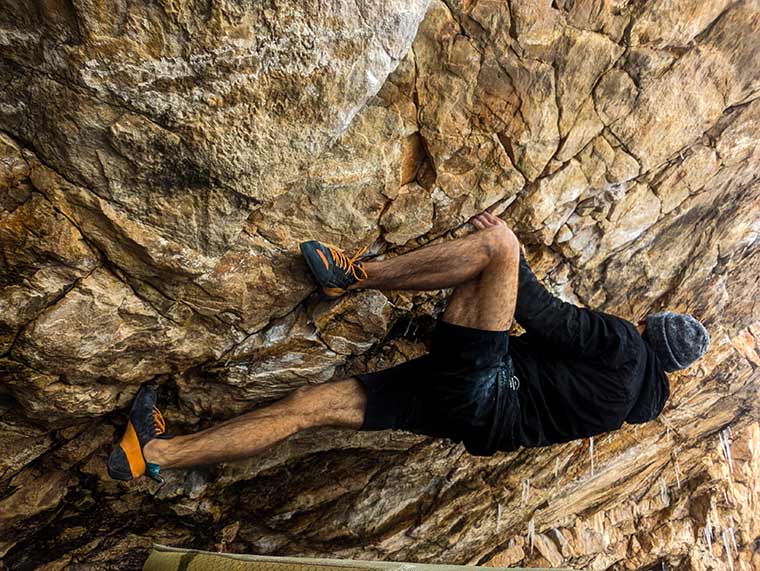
(348, 264)
(158, 421)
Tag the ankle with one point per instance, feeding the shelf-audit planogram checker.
(371, 270)
(155, 452)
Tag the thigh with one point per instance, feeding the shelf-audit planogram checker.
(460, 399)
(488, 301)
(460, 409)
(394, 395)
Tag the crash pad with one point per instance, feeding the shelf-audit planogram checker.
(163, 558)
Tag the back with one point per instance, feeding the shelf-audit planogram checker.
(569, 391)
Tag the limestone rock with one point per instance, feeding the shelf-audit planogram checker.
(553, 200)
(409, 216)
(52, 400)
(44, 255)
(582, 59)
(354, 323)
(671, 24)
(20, 443)
(688, 177)
(704, 81)
(33, 492)
(160, 162)
(266, 365)
(630, 217)
(187, 77)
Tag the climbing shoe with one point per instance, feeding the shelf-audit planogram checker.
(145, 423)
(333, 269)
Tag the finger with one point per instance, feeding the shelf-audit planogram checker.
(484, 221)
(477, 223)
(486, 218)
(494, 219)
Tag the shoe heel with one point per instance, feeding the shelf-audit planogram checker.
(333, 292)
(118, 466)
(306, 253)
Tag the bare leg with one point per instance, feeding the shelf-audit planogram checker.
(488, 301)
(440, 266)
(339, 403)
(483, 267)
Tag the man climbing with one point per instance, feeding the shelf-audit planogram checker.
(575, 372)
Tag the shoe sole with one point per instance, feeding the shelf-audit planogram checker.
(118, 465)
(126, 461)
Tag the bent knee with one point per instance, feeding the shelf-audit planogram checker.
(502, 244)
(349, 404)
(336, 403)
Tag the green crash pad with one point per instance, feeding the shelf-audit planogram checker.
(164, 558)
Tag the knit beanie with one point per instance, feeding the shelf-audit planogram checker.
(678, 339)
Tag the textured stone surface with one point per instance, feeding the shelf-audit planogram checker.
(160, 162)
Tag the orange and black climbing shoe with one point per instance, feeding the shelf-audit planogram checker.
(333, 269)
(145, 423)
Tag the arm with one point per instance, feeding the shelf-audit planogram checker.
(562, 325)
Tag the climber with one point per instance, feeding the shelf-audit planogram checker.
(575, 373)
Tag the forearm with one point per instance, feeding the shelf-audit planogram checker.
(575, 330)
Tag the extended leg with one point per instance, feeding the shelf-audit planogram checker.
(338, 403)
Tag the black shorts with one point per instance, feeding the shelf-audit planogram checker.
(456, 391)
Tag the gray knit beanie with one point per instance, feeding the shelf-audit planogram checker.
(677, 338)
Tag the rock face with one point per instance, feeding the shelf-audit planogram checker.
(160, 162)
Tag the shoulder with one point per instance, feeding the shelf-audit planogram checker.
(625, 339)
(618, 325)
